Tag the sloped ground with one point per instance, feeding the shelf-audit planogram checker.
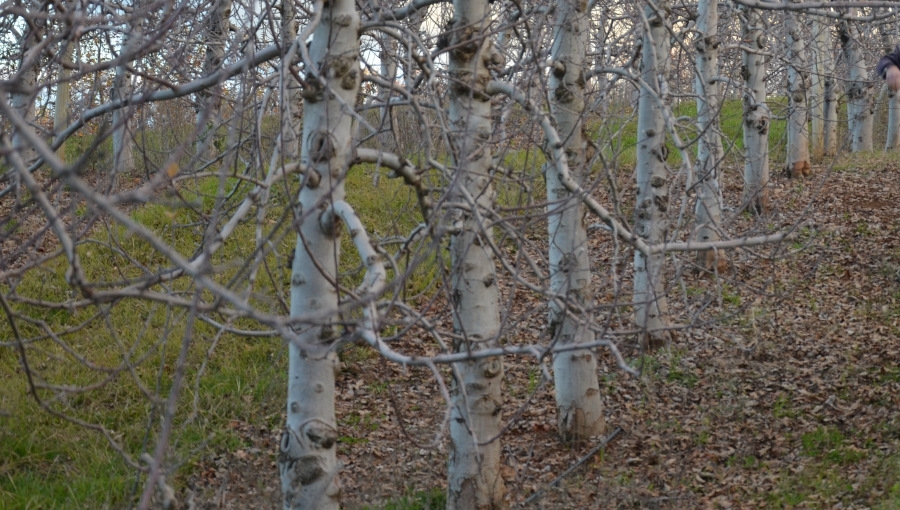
(786, 394)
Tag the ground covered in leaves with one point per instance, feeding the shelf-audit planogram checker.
(783, 388)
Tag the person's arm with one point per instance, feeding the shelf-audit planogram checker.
(889, 69)
(892, 75)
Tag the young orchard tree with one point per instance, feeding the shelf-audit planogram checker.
(474, 469)
(798, 164)
(756, 112)
(209, 100)
(578, 401)
(62, 108)
(308, 458)
(831, 96)
(291, 100)
(859, 89)
(23, 94)
(823, 96)
(710, 153)
(651, 309)
(122, 89)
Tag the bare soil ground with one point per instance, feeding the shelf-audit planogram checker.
(785, 393)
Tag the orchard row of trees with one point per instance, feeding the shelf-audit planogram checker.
(109, 107)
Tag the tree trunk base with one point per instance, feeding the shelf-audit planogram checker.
(712, 262)
(798, 170)
(654, 340)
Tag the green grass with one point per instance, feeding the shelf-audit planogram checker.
(47, 462)
(617, 134)
(421, 500)
(133, 345)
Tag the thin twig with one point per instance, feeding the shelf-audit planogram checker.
(578, 464)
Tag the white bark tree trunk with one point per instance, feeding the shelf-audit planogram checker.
(22, 97)
(61, 108)
(710, 153)
(821, 44)
(388, 71)
(123, 149)
(859, 90)
(797, 164)
(651, 309)
(831, 105)
(474, 469)
(290, 97)
(209, 101)
(578, 401)
(308, 461)
(756, 113)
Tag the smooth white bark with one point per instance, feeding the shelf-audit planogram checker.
(756, 112)
(820, 45)
(710, 153)
(291, 100)
(651, 307)
(797, 164)
(23, 96)
(474, 469)
(123, 148)
(209, 101)
(578, 401)
(61, 108)
(308, 461)
(859, 89)
(831, 104)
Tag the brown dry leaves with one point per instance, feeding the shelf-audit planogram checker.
(785, 393)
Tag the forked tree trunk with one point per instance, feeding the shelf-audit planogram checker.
(797, 164)
(651, 309)
(756, 112)
(859, 90)
(578, 402)
(307, 461)
(708, 212)
(388, 53)
(474, 470)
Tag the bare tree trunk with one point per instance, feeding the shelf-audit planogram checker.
(22, 97)
(578, 402)
(290, 97)
(708, 211)
(859, 90)
(123, 149)
(474, 470)
(756, 113)
(816, 98)
(61, 108)
(390, 140)
(209, 101)
(651, 309)
(308, 460)
(831, 106)
(797, 164)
